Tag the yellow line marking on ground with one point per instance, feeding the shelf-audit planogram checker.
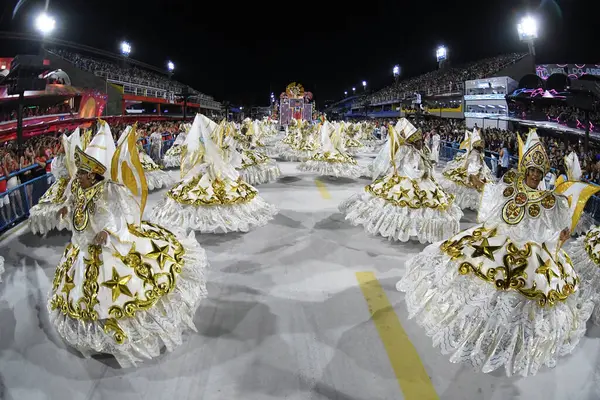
(406, 363)
(323, 189)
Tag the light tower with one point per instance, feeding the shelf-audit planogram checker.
(45, 25)
(528, 32)
(396, 72)
(441, 55)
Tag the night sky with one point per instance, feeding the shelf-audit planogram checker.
(243, 51)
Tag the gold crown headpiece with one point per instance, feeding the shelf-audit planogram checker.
(535, 157)
(415, 137)
(88, 163)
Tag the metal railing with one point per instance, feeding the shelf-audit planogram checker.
(16, 202)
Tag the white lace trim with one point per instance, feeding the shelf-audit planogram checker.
(380, 217)
(464, 197)
(339, 170)
(588, 272)
(475, 323)
(171, 161)
(148, 331)
(157, 179)
(214, 219)
(261, 173)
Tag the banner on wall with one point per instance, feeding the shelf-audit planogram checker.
(573, 71)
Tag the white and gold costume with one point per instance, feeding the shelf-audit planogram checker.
(256, 167)
(140, 290)
(172, 157)
(212, 197)
(406, 202)
(43, 217)
(292, 134)
(332, 159)
(457, 178)
(155, 176)
(352, 134)
(304, 144)
(503, 293)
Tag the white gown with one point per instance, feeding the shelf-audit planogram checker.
(499, 294)
(585, 255)
(132, 296)
(213, 198)
(155, 176)
(43, 217)
(455, 179)
(172, 156)
(406, 203)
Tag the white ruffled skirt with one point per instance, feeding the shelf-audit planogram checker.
(337, 169)
(296, 155)
(380, 217)
(475, 323)
(240, 217)
(260, 173)
(464, 197)
(172, 158)
(158, 179)
(588, 271)
(149, 330)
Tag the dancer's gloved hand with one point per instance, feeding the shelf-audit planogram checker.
(564, 234)
(101, 238)
(62, 212)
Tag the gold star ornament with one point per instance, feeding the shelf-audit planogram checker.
(484, 249)
(160, 254)
(118, 285)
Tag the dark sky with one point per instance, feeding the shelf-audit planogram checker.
(241, 51)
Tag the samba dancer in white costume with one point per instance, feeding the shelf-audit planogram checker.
(503, 293)
(304, 146)
(256, 167)
(123, 286)
(172, 158)
(353, 145)
(155, 176)
(212, 197)
(332, 159)
(292, 132)
(407, 202)
(43, 217)
(459, 179)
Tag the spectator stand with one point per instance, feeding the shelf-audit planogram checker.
(16, 209)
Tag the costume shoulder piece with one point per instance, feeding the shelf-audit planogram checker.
(521, 200)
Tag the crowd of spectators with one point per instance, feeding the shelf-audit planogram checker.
(10, 114)
(37, 151)
(563, 114)
(444, 80)
(131, 73)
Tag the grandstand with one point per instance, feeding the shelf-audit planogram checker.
(442, 90)
(77, 73)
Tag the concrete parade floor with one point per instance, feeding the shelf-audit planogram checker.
(289, 316)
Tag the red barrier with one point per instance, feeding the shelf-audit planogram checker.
(55, 122)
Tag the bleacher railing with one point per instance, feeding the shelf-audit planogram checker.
(15, 203)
